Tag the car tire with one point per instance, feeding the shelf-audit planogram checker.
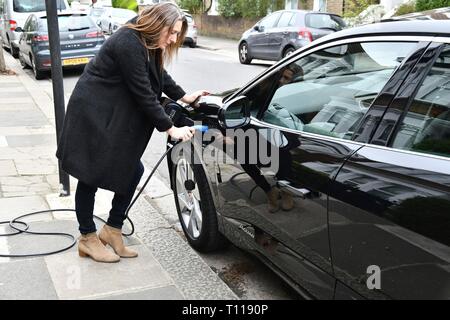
(196, 211)
(244, 56)
(38, 74)
(288, 51)
(192, 44)
(22, 62)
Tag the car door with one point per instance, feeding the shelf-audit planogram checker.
(258, 40)
(307, 110)
(280, 35)
(390, 203)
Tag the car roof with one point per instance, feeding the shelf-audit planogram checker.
(308, 11)
(396, 28)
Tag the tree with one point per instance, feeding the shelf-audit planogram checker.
(2, 60)
(125, 4)
(194, 6)
(422, 5)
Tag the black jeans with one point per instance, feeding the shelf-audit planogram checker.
(85, 198)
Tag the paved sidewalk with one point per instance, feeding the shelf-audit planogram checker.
(167, 268)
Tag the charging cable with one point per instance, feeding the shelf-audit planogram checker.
(15, 222)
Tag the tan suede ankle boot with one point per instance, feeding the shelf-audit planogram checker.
(287, 201)
(272, 199)
(89, 245)
(113, 237)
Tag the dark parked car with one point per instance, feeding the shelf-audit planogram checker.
(80, 37)
(282, 32)
(360, 121)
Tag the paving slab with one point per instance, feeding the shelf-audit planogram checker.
(7, 168)
(76, 278)
(30, 140)
(26, 280)
(29, 118)
(163, 293)
(36, 166)
(15, 206)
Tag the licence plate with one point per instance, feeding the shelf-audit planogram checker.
(75, 61)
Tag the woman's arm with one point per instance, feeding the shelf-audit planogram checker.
(131, 58)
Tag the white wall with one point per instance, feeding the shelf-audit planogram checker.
(389, 4)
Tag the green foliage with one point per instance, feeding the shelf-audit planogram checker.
(125, 4)
(194, 6)
(248, 8)
(422, 5)
(355, 7)
(405, 9)
(254, 8)
(229, 8)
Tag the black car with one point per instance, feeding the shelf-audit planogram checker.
(360, 124)
(282, 32)
(80, 37)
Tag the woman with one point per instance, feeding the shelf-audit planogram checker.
(111, 116)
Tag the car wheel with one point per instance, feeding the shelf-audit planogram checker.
(195, 206)
(38, 74)
(288, 51)
(22, 62)
(192, 44)
(244, 56)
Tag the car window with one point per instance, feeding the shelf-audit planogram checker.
(329, 91)
(34, 5)
(71, 23)
(285, 19)
(270, 21)
(426, 125)
(125, 14)
(324, 21)
(189, 19)
(26, 26)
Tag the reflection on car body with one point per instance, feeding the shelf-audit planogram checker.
(361, 123)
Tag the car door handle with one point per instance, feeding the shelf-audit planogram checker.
(302, 192)
(285, 32)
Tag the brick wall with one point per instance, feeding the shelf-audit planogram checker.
(335, 6)
(218, 26)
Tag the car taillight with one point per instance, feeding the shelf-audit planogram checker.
(13, 24)
(42, 37)
(94, 34)
(305, 34)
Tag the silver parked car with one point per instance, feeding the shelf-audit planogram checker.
(191, 35)
(80, 39)
(282, 32)
(14, 13)
(113, 18)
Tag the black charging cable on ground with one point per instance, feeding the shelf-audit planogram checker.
(17, 221)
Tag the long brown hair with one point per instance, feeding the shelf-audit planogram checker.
(151, 23)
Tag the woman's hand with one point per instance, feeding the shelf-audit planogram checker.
(183, 133)
(190, 98)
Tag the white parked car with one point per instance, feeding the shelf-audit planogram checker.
(191, 35)
(113, 18)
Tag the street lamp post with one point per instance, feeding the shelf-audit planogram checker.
(57, 84)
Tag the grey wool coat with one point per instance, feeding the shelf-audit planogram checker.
(113, 111)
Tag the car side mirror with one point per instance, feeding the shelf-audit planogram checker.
(235, 113)
(18, 29)
(256, 28)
